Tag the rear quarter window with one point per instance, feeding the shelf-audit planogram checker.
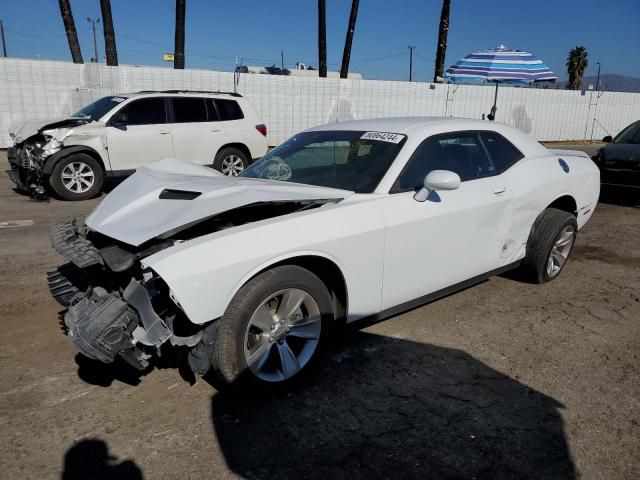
(229, 110)
(502, 152)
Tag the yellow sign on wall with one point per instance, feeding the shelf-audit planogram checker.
(168, 57)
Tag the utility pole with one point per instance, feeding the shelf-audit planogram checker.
(281, 59)
(411, 47)
(93, 22)
(4, 43)
(597, 79)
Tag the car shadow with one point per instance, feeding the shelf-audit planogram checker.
(90, 459)
(385, 407)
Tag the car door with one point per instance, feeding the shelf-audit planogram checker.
(197, 131)
(138, 134)
(452, 236)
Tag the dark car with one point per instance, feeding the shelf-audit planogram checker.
(619, 161)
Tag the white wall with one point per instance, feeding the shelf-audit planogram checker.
(34, 89)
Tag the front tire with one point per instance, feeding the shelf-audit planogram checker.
(77, 177)
(549, 246)
(231, 161)
(274, 328)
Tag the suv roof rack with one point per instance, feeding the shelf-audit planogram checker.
(214, 92)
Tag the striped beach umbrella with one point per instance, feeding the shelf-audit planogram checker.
(505, 65)
(499, 65)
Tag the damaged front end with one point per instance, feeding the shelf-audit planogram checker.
(115, 308)
(28, 156)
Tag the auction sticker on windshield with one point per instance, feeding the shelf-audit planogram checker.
(383, 136)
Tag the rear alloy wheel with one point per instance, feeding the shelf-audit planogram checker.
(77, 177)
(273, 330)
(231, 162)
(549, 246)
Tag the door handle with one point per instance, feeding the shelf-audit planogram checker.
(216, 130)
(498, 190)
(165, 133)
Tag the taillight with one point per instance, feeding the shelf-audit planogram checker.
(262, 128)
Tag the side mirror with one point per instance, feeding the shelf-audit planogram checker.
(607, 139)
(437, 180)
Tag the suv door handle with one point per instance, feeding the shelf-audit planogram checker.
(164, 133)
(498, 190)
(216, 130)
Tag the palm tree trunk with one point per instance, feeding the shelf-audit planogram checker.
(70, 28)
(322, 38)
(178, 51)
(443, 32)
(346, 54)
(109, 33)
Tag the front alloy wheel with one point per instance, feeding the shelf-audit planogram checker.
(273, 330)
(282, 335)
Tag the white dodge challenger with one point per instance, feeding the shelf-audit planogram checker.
(340, 222)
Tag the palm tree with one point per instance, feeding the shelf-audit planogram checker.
(346, 54)
(178, 50)
(109, 33)
(443, 32)
(322, 38)
(577, 62)
(70, 28)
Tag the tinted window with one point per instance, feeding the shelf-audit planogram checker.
(187, 110)
(147, 111)
(461, 153)
(631, 134)
(229, 110)
(212, 111)
(503, 154)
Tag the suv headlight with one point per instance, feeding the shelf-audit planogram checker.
(52, 147)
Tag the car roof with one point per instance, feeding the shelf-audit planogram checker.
(179, 93)
(390, 124)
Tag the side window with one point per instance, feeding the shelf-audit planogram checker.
(189, 110)
(212, 112)
(461, 153)
(229, 109)
(503, 154)
(146, 111)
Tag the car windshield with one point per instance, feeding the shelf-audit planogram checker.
(349, 160)
(96, 110)
(631, 134)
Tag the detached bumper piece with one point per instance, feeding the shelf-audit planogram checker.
(66, 239)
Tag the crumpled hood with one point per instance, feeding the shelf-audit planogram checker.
(134, 212)
(23, 130)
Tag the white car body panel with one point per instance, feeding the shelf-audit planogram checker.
(390, 248)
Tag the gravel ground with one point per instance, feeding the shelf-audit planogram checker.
(502, 380)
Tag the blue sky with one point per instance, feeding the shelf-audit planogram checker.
(218, 31)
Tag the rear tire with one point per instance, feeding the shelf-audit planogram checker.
(549, 246)
(231, 161)
(274, 328)
(77, 177)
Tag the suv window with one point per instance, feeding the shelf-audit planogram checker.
(460, 152)
(229, 109)
(502, 152)
(189, 110)
(146, 111)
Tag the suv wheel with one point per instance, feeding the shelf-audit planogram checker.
(231, 161)
(274, 327)
(77, 177)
